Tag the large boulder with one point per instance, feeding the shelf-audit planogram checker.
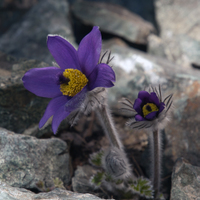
(185, 181)
(143, 8)
(179, 32)
(27, 38)
(26, 161)
(12, 12)
(13, 193)
(113, 19)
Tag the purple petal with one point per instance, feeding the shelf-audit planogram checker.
(72, 104)
(154, 99)
(137, 106)
(42, 81)
(58, 117)
(161, 108)
(63, 52)
(144, 96)
(89, 51)
(139, 118)
(52, 108)
(102, 76)
(151, 115)
(76, 100)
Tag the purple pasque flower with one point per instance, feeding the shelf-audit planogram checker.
(147, 106)
(148, 110)
(79, 73)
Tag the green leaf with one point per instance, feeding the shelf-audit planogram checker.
(97, 178)
(95, 158)
(58, 183)
(119, 181)
(108, 178)
(143, 187)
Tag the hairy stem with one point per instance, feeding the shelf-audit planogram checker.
(114, 161)
(156, 163)
(108, 126)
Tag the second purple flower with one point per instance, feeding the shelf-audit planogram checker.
(147, 106)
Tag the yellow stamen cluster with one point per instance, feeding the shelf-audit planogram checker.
(148, 108)
(77, 82)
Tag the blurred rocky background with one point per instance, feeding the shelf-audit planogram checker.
(153, 42)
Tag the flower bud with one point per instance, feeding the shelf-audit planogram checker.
(116, 164)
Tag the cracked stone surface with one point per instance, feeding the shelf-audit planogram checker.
(185, 181)
(13, 193)
(113, 19)
(26, 160)
(179, 39)
(27, 38)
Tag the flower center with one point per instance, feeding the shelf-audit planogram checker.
(148, 108)
(72, 82)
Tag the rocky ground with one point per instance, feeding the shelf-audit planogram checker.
(152, 43)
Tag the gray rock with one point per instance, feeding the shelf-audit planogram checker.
(25, 161)
(19, 109)
(176, 23)
(143, 8)
(65, 195)
(185, 181)
(12, 12)
(23, 4)
(183, 131)
(28, 37)
(179, 34)
(12, 193)
(156, 46)
(113, 19)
